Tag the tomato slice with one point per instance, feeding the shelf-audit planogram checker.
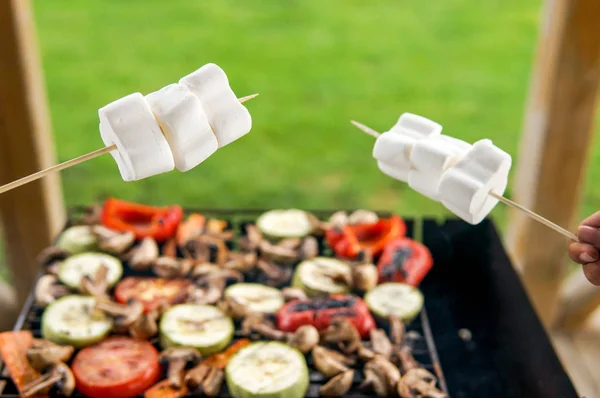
(117, 367)
(152, 291)
(404, 260)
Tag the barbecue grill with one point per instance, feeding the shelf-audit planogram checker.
(477, 333)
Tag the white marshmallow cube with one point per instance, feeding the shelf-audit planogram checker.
(142, 150)
(228, 118)
(430, 158)
(391, 170)
(416, 125)
(464, 188)
(184, 124)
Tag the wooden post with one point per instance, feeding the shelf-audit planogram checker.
(578, 300)
(31, 214)
(555, 144)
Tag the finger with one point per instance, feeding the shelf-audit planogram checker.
(583, 253)
(592, 272)
(589, 235)
(593, 220)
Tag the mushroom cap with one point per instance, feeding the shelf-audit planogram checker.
(189, 354)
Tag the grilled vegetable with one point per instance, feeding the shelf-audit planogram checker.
(73, 320)
(398, 299)
(267, 369)
(13, 348)
(116, 367)
(152, 292)
(320, 312)
(74, 268)
(281, 224)
(221, 360)
(404, 260)
(322, 276)
(159, 223)
(256, 297)
(77, 239)
(203, 327)
(369, 238)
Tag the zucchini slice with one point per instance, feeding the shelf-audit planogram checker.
(77, 239)
(73, 320)
(399, 299)
(280, 224)
(322, 276)
(267, 370)
(72, 270)
(256, 297)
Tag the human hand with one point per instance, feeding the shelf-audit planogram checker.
(587, 251)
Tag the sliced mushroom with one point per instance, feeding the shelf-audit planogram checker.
(59, 376)
(242, 262)
(48, 289)
(293, 293)
(169, 267)
(305, 338)
(373, 382)
(254, 235)
(338, 385)
(406, 359)
(197, 250)
(209, 294)
(318, 226)
(124, 315)
(275, 274)
(207, 271)
(233, 307)
(196, 376)
(213, 382)
(309, 248)
(384, 371)
(343, 333)
(170, 248)
(278, 254)
(328, 362)
(289, 243)
(51, 257)
(338, 220)
(42, 354)
(144, 255)
(363, 217)
(92, 215)
(145, 326)
(252, 319)
(268, 331)
(396, 329)
(178, 359)
(365, 354)
(419, 383)
(98, 286)
(112, 241)
(381, 343)
(364, 276)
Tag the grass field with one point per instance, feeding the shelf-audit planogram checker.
(316, 64)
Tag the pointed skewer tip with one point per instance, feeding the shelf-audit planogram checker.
(365, 129)
(247, 98)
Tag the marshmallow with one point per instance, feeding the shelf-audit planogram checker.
(142, 150)
(430, 158)
(464, 188)
(398, 173)
(228, 118)
(184, 125)
(395, 146)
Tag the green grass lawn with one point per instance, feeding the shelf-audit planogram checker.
(316, 64)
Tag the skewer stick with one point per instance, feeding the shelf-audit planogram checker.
(508, 202)
(73, 162)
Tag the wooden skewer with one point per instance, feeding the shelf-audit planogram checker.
(73, 162)
(508, 202)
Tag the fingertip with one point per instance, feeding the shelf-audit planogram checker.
(592, 272)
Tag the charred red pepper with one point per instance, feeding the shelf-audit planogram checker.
(404, 260)
(144, 221)
(370, 238)
(319, 312)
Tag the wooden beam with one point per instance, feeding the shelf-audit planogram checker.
(8, 307)
(31, 214)
(555, 144)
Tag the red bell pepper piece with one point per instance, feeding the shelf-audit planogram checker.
(319, 312)
(144, 221)
(404, 260)
(370, 238)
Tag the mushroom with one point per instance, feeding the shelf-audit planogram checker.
(213, 382)
(124, 315)
(318, 226)
(380, 342)
(98, 286)
(43, 353)
(289, 243)
(381, 375)
(233, 307)
(92, 215)
(48, 289)
(274, 273)
(169, 267)
(51, 256)
(343, 333)
(309, 248)
(364, 276)
(197, 250)
(145, 326)
(142, 256)
(419, 383)
(278, 254)
(218, 229)
(396, 329)
(252, 319)
(242, 262)
(338, 220)
(363, 217)
(406, 359)
(112, 241)
(209, 294)
(365, 354)
(329, 362)
(195, 376)
(178, 359)
(293, 293)
(58, 376)
(207, 271)
(170, 248)
(338, 385)
(305, 338)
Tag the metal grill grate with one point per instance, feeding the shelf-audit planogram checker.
(418, 332)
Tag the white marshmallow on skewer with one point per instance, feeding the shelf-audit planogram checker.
(142, 150)
(228, 118)
(430, 158)
(184, 124)
(465, 187)
(393, 148)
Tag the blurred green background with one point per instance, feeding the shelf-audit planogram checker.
(316, 64)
